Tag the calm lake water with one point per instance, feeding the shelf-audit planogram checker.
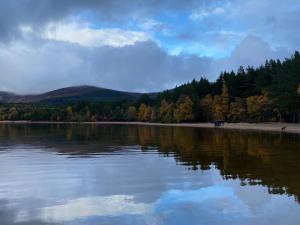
(119, 174)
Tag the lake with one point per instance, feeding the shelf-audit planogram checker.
(127, 174)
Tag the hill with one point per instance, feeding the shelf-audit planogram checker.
(72, 94)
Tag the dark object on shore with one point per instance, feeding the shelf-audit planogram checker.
(283, 129)
(219, 123)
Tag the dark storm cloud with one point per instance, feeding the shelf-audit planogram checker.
(140, 67)
(146, 66)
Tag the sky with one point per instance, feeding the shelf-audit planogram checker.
(137, 45)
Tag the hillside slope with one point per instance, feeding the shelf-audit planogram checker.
(75, 93)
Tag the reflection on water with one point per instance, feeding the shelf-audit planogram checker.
(115, 205)
(113, 174)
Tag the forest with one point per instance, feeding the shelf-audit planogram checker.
(269, 93)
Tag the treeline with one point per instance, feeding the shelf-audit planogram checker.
(270, 92)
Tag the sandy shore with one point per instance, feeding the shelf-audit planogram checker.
(273, 127)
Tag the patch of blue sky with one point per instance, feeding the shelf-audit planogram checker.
(178, 34)
(197, 49)
(208, 37)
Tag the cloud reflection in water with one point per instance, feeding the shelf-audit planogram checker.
(115, 205)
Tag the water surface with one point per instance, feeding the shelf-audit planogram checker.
(122, 174)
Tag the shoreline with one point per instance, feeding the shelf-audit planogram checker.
(269, 127)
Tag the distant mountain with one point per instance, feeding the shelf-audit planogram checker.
(72, 94)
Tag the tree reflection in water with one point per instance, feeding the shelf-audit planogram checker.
(268, 159)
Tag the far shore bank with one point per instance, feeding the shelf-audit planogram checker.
(272, 127)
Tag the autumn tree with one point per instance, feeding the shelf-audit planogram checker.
(2, 113)
(184, 109)
(238, 110)
(69, 113)
(221, 104)
(153, 114)
(147, 114)
(206, 104)
(256, 106)
(12, 113)
(142, 110)
(87, 115)
(131, 113)
(216, 108)
(166, 111)
(225, 100)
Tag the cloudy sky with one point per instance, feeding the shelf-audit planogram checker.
(138, 45)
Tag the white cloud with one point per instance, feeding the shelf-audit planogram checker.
(198, 15)
(150, 24)
(218, 11)
(115, 205)
(154, 27)
(202, 13)
(86, 36)
(26, 29)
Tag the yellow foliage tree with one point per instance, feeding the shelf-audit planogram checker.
(184, 109)
(221, 104)
(256, 105)
(2, 113)
(217, 108)
(153, 115)
(225, 100)
(237, 110)
(166, 111)
(206, 104)
(87, 116)
(69, 113)
(12, 113)
(147, 114)
(142, 110)
(131, 113)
